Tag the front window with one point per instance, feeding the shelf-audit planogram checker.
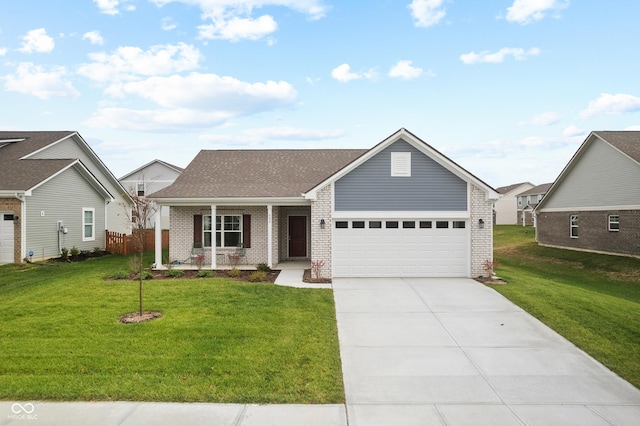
(519, 202)
(88, 224)
(141, 189)
(614, 222)
(574, 226)
(228, 232)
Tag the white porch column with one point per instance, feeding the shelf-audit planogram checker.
(270, 235)
(158, 241)
(214, 258)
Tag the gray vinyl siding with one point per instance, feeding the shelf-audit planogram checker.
(70, 148)
(156, 176)
(62, 198)
(603, 176)
(370, 186)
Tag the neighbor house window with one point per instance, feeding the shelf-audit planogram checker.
(228, 231)
(574, 226)
(614, 222)
(401, 164)
(141, 189)
(88, 224)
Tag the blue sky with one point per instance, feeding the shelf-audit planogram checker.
(507, 89)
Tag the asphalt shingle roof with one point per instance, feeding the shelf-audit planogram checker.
(509, 188)
(627, 141)
(540, 189)
(21, 175)
(257, 173)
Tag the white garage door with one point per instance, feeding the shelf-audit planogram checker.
(400, 248)
(6, 237)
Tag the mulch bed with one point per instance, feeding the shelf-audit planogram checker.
(306, 277)
(135, 317)
(490, 281)
(193, 274)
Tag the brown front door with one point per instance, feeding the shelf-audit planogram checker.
(297, 236)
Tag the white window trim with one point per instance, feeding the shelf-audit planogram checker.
(401, 164)
(214, 231)
(93, 224)
(609, 222)
(571, 226)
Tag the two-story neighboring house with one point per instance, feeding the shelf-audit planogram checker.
(506, 208)
(147, 179)
(527, 202)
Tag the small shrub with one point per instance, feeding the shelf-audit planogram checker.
(74, 252)
(234, 273)
(258, 276)
(205, 273)
(263, 267)
(488, 266)
(173, 273)
(64, 252)
(316, 267)
(119, 275)
(146, 275)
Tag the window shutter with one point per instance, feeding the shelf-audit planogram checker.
(246, 230)
(197, 228)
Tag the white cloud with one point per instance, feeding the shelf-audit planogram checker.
(37, 41)
(94, 37)
(527, 11)
(499, 56)
(632, 128)
(110, 7)
(35, 80)
(168, 24)
(426, 12)
(196, 101)
(405, 70)
(572, 131)
(544, 119)
(343, 74)
(236, 29)
(155, 120)
(130, 62)
(261, 135)
(611, 104)
(210, 92)
(3, 51)
(233, 20)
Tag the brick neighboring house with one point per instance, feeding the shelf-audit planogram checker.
(594, 204)
(400, 208)
(527, 202)
(55, 192)
(506, 208)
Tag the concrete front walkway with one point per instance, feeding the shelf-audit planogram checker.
(454, 352)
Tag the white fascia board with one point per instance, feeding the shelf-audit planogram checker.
(232, 201)
(390, 214)
(589, 209)
(29, 155)
(17, 193)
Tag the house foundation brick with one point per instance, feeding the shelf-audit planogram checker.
(593, 231)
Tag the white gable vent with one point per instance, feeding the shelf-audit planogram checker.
(400, 164)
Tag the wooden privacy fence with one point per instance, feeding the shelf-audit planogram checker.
(118, 243)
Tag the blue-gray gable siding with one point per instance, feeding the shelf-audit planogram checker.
(370, 186)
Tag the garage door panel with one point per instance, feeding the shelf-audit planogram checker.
(397, 252)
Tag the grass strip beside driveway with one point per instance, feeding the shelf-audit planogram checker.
(591, 299)
(218, 340)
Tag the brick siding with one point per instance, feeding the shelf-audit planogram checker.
(14, 206)
(321, 238)
(481, 239)
(553, 228)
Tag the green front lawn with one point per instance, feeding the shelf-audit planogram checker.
(591, 299)
(218, 340)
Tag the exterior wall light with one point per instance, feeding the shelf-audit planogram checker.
(322, 223)
(480, 223)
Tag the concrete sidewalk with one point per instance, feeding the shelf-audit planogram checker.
(454, 352)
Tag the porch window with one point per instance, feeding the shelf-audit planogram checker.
(574, 226)
(614, 222)
(228, 232)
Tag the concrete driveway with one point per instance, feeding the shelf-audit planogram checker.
(420, 351)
